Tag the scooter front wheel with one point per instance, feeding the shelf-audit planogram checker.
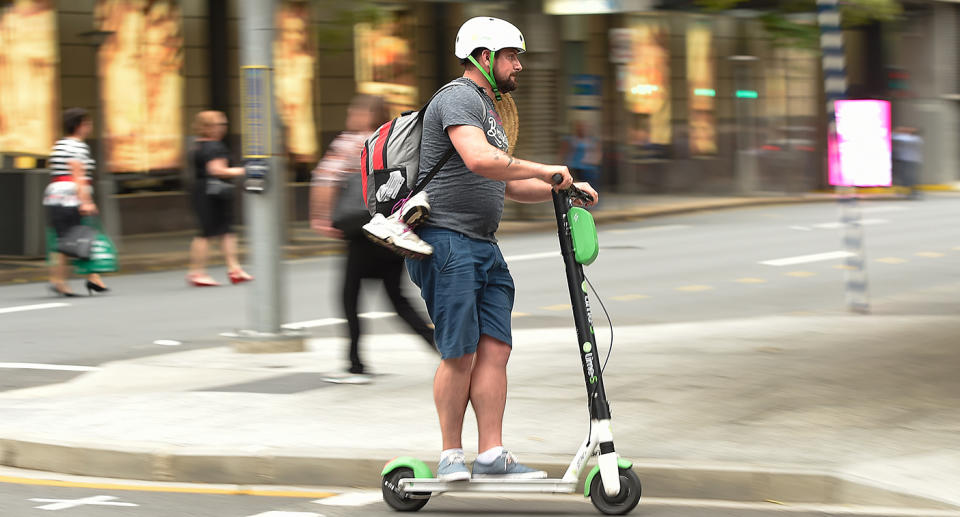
(621, 503)
(394, 496)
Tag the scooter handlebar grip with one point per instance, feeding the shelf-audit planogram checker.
(557, 178)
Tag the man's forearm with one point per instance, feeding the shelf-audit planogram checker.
(498, 165)
(529, 191)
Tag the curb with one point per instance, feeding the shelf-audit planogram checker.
(660, 479)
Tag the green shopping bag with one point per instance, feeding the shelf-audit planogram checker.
(103, 253)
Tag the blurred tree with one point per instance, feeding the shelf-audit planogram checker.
(346, 16)
(779, 17)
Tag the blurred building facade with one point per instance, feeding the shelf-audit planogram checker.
(923, 81)
(682, 100)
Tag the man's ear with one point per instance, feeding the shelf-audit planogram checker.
(485, 58)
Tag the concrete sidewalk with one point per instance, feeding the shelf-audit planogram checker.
(825, 408)
(158, 252)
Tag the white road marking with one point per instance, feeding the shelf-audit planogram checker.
(167, 342)
(287, 514)
(661, 228)
(63, 504)
(326, 322)
(37, 307)
(836, 225)
(360, 498)
(804, 259)
(377, 315)
(533, 256)
(882, 209)
(41, 366)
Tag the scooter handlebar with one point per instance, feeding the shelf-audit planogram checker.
(572, 191)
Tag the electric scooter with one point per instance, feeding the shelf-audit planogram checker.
(408, 483)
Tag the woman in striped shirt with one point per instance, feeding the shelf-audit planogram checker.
(69, 194)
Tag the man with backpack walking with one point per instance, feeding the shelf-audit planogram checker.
(465, 282)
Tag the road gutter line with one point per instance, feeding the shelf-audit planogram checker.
(181, 489)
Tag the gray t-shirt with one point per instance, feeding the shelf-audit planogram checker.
(462, 200)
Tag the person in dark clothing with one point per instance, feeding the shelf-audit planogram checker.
(364, 258)
(212, 197)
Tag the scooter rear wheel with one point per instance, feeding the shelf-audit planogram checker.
(394, 496)
(621, 503)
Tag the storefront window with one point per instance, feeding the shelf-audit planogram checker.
(647, 86)
(28, 77)
(140, 67)
(295, 62)
(702, 90)
(385, 59)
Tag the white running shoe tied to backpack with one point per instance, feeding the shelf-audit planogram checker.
(395, 232)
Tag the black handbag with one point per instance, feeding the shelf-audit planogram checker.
(219, 188)
(77, 242)
(350, 213)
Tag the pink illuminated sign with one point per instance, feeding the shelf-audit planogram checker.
(859, 153)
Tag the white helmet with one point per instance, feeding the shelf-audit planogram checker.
(489, 33)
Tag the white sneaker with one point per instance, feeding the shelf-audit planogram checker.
(394, 234)
(416, 210)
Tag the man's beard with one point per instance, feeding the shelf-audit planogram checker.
(507, 84)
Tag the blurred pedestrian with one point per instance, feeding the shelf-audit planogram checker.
(907, 158)
(583, 154)
(69, 196)
(331, 179)
(213, 200)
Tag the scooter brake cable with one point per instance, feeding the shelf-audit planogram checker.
(609, 322)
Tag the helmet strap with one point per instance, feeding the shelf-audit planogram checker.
(488, 75)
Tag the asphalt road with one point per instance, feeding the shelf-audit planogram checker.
(102, 500)
(696, 267)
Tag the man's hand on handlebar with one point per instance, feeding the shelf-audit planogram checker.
(586, 189)
(558, 176)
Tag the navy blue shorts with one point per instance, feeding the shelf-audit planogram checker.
(467, 288)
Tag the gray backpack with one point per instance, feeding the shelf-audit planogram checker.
(390, 160)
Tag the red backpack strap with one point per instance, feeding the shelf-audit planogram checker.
(379, 156)
(363, 172)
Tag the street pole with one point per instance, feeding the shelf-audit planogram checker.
(835, 88)
(265, 183)
(745, 156)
